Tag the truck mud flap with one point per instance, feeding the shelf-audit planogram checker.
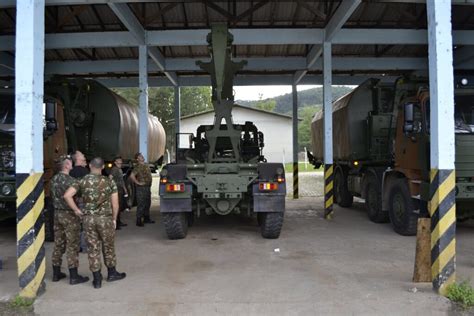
(268, 202)
(175, 205)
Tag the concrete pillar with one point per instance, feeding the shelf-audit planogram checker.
(442, 205)
(328, 152)
(295, 142)
(177, 112)
(29, 70)
(143, 108)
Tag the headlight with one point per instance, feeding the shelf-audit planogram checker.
(7, 189)
(7, 158)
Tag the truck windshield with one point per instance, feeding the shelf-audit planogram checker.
(463, 114)
(7, 109)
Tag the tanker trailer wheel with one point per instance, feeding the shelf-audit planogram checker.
(48, 219)
(341, 194)
(271, 224)
(176, 224)
(401, 209)
(373, 201)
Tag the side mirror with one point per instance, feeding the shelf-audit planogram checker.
(408, 126)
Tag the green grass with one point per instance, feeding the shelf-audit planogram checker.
(301, 167)
(461, 293)
(21, 302)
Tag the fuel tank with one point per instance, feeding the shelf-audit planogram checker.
(101, 123)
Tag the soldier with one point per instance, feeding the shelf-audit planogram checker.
(141, 176)
(67, 225)
(80, 165)
(100, 200)
(116, 174)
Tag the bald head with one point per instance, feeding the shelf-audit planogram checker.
(96, 165)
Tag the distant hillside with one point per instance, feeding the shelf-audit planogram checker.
(284, 103)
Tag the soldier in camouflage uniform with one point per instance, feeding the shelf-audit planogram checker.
(67, 225)
(100, 199)
(116, 174)
(141, 176)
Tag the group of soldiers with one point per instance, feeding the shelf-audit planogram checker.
(83, 196)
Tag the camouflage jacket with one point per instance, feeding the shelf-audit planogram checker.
(117, 176)
(96, 191)
(59, 185)
(142, 173)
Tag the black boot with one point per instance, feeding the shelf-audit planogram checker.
(114, 275)
(148, 220)
(75, 278)
(140, 222)
(97, 282)
(57, 274)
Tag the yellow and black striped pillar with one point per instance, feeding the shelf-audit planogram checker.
(442, 210)
(328, 190)
(30, 234)
(296, 191)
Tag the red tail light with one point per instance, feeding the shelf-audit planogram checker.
(268, 186)
(178, 187)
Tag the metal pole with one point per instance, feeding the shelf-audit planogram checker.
(442, 181)
(177, 113)
(29, 70)
(328, 153)
(143, 108)
(295, 142)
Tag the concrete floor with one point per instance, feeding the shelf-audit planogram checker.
(346, 266)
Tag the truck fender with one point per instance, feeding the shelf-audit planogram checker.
(387, 181)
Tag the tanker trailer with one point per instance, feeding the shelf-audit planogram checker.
(221, 170)
(381, 150)
(79, 115)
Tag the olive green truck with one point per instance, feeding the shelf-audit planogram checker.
(381, 137)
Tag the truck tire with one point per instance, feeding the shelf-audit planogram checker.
(373, 201)
(176, 224)
(400, 209)
(342, 195)
(271, 224)
(48, 220)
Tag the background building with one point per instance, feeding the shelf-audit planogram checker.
(275, 127)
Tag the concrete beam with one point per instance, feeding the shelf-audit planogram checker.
(243, 80)
(342, 14)
(254, 64)
(126, 16)
(241, 37)
(143, 101)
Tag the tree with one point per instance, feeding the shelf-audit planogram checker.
(266, 105)
(304, 127)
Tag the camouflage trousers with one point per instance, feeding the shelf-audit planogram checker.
(67, 230)
(143, 201)
(100, 238)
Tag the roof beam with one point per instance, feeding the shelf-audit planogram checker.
(339, 18)
(276, 64)
(197, 37)
(126, 16)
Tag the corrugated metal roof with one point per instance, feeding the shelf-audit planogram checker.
(197, 14)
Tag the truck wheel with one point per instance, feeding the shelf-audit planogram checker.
(176, 225)
(271, 224)
(341, 194)
(404, 220)
(48, 219)
(373, 201)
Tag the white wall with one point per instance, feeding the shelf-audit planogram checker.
(276, 130)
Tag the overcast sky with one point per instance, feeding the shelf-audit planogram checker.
(253, 92)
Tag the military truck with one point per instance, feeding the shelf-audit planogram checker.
(221, 170)
(78, 115)
(382, 150)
